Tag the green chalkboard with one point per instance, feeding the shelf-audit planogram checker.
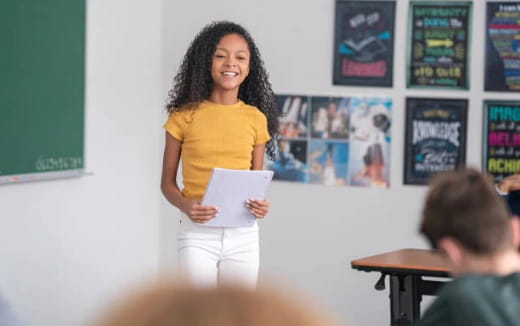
(42, 87)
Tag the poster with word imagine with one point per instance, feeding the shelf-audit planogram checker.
(501, 138)
(502, 65)
(334, 141)
(435, 137)
(438, 45)
(364, 43)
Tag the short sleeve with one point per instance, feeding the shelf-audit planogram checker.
(262, 134)
(176, 125)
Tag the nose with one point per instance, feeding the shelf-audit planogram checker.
(229, 63)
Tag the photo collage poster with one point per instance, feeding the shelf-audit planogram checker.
(502, 65)
(435, 137)
(438, 44)
(364, 43)
(501, 138)
(334, 140)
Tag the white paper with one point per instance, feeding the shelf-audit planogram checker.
(229, 189)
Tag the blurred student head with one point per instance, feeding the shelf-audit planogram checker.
(172, 304)
(466, 219)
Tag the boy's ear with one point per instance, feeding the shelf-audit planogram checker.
(515, 230)
(452, 249)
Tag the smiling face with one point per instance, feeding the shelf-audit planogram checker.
(230, 63)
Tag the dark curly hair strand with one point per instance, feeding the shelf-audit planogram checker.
(193, 82)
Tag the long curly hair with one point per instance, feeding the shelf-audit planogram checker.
(193, 82)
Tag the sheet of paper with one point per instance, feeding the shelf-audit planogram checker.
(229, 190)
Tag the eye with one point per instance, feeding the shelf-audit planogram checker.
(219, 55)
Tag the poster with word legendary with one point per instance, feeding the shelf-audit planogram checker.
(438, 45)
(364, 43)
(334, 141)
(501, 138)
(502, 47)
(435, 137)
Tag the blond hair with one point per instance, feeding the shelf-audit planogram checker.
(172, 304)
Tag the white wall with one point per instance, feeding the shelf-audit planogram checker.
(69, 246)
(313, 231)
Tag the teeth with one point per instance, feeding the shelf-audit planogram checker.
(227, 73)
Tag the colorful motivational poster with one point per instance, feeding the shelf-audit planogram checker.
(435, 137)
(438, 44)
(501, 142)
(502, 47)
(364, 43)
(334, 141)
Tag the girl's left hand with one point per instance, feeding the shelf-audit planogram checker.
(258, 207)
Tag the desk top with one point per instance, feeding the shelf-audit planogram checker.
(409, 261)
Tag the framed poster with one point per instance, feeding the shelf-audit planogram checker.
(438, 45)
(502, 65)
(501, 138)
(334, 141)
(364, 43)
(435, 137)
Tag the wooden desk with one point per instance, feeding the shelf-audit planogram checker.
(405, 267)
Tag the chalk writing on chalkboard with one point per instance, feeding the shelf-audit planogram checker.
(58, 163)
(438, 44)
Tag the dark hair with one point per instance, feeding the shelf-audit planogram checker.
(193, 82)
(464, 204)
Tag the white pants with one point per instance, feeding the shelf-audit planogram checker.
(208, 256)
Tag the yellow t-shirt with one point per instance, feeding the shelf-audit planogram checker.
(215, 135)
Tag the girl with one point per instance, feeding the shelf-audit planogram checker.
(222, 114)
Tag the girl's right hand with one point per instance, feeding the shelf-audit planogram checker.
(199, 213)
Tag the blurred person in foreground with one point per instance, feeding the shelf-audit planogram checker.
(468, 223)
(173, 304)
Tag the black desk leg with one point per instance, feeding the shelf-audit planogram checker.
(404, 299)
